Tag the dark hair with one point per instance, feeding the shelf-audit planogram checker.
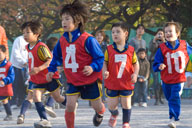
(102, 33)
(79, 11)
(158, 30)
(51, 42)
(35, 26)
(140, 25)
(122, 25)
(141, 50)
(3, 48)
(177, 27)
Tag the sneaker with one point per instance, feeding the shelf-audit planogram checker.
(8, 118)
(112, 121)
(97, 119)
(43, 124)
(50, 112)
(136, 104)
(161, 101)
(172, 123)
(126, 125)
(20, 119)
(144, 104)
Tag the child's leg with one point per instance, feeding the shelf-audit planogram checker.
(27, 103)
(175, 101)
(126, 106)
(58, 97)
(7, 110)
(50, 101)
(37, 94)
(112, 104)
(70, 110)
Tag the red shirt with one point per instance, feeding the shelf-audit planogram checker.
(7, 90)
(175, 61)
(75, 57)
(35, 61)
(120, 69)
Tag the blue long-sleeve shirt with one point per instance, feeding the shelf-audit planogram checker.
(11, 74)
(159, 56)
(91, 45)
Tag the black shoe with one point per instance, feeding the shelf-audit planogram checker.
(97, 119)
(8, 118)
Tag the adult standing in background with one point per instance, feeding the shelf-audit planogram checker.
(3, 41)
(19, 61)
(137, 41)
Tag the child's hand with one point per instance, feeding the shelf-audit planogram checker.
(49, 76)
(162, 66)
(34, 71)
(2, 84)
(106, 74)
(134, 78)
(141, 80)
(87, 70)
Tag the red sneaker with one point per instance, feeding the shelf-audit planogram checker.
(126, 125)
(112, 121)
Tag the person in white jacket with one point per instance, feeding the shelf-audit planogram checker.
(19, 56)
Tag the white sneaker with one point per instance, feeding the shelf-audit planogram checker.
(43, 124)
(50, 112)
(136, 104)
(144, 104)
(172, 123)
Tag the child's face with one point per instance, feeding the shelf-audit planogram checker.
(142, 55)
(99, 37)
(119, 35)
(29, 36)
(170, 33)
(2, 55)
(68, 23)
(140, 31)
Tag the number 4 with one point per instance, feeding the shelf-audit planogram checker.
(71, 50)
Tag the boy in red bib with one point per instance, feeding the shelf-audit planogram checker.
(82, 60)
(120, 72)
(39, 57)
(7, 76)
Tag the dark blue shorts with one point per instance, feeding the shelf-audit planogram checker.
(118, 93)
(87, 92)
(2, 98)
(51, 86)
(30, 86)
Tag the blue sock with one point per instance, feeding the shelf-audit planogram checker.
(24, 107)
(50, 101)
(126, 115)
(7, 109)
(41, 110)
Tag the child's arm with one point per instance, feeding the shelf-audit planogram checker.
(36, 70)
(9, 78)
(105, 71)
(158, 61)
(94, 49)
(136, 72)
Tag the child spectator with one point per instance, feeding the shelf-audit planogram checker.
(100, 36)
(39, 57)
(7, 76)
(142, 82)
(171, 59)
(82, 59)
(120, 72)
(153, 46)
